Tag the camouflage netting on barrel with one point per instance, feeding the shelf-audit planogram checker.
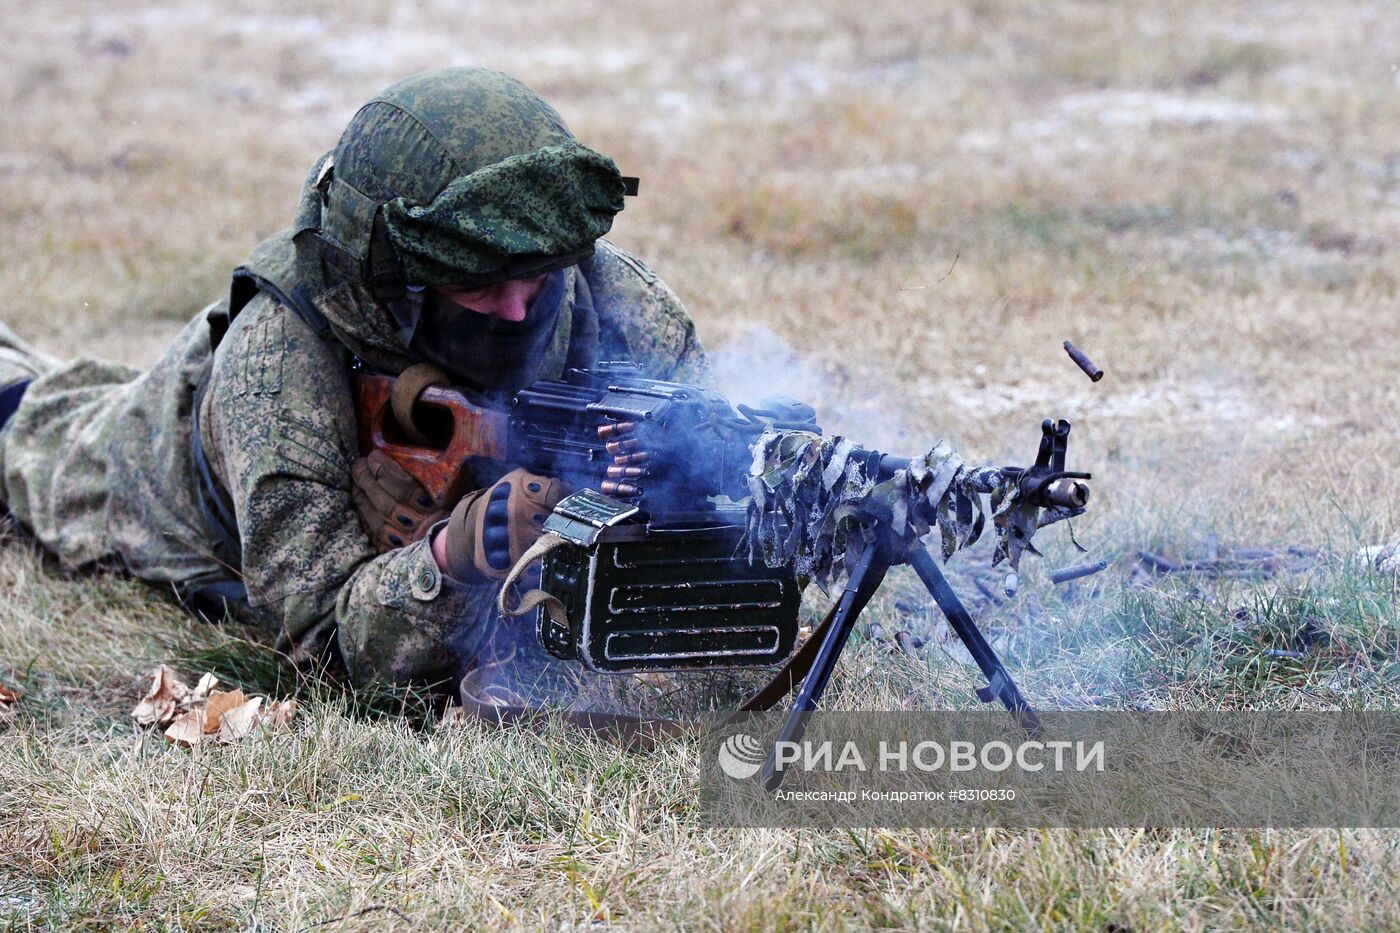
(818, 502)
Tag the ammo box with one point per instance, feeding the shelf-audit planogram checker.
(676, 597)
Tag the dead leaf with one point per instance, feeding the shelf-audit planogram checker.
(9, 696)
(278, 714)
(201, 689)
(165, 699)
(237, 722)
(192, 715)
(187, 730)
(452, 717)
(220, 702)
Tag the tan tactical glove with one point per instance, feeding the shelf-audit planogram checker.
(492, 527)
(393, 507)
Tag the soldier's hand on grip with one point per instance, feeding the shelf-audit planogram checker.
(490, 528)
(393, 507)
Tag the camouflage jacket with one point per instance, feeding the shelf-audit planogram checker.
(97, 463)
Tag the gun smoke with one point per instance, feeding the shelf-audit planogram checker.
(759, 364)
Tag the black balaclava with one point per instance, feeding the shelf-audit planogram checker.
(485, 353)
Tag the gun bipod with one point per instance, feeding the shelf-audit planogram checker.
(865, 579)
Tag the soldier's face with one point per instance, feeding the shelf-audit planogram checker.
(493, 339)
(508, 301)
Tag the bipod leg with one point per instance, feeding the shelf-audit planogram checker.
(865, 579)
(1000, 686)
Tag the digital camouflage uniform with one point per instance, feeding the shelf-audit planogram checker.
(97, 459)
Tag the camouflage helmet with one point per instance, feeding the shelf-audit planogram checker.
(461, 176)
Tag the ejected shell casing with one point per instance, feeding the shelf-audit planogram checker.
(626, 472)
(1075, 573)
(617, 429)
(622, 447)
(1157, 562)
(640, 456)
(621, 490)
(1083, 362)
(1068, 492)
(909, 644)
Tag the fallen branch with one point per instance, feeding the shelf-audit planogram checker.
(360, 913)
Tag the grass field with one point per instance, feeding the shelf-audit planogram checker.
(1204, 196)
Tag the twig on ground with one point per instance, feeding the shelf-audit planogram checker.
(941, 278)
(1241, 563)
(360, 913)
(1157, 562)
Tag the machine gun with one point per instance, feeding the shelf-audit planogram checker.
(653, 575)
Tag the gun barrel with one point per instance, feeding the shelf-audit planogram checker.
(889, 466)
(1069, 493)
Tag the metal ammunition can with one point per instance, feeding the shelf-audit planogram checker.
(677, 597)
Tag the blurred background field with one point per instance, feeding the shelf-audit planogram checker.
(1204, 196)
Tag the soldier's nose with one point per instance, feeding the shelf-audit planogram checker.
(514, 300)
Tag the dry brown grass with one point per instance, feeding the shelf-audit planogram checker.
(1206, 196)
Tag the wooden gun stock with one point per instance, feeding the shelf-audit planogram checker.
(461, 435)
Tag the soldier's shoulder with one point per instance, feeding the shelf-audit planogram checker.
(269, 348)
(281, 398)
(622, 282)
(639, 317)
